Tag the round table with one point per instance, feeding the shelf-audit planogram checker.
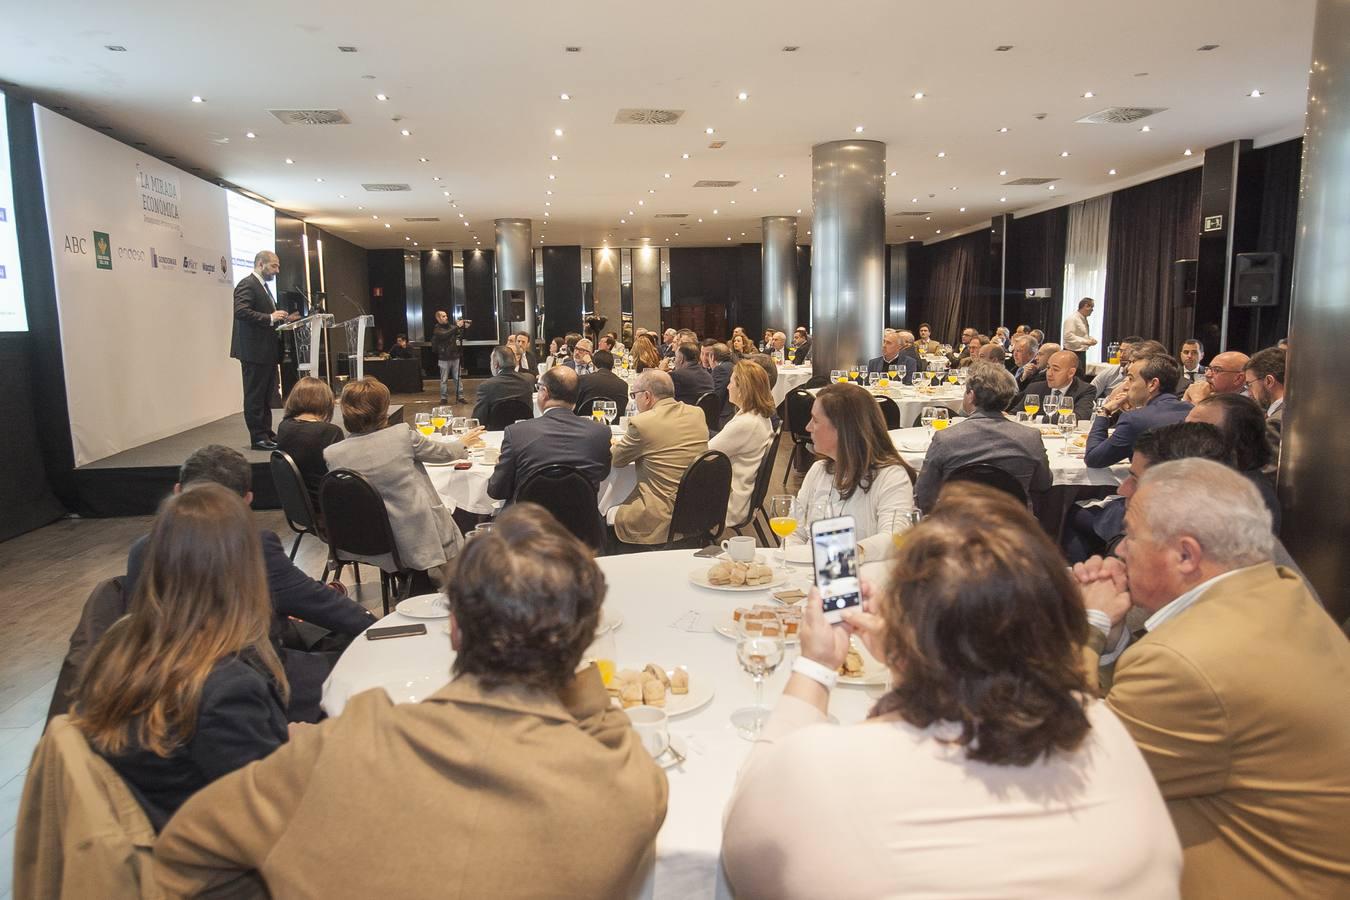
(1067, 469)
(666, 620)
(789, 377)
(911, 401)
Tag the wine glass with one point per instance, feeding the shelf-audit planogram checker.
(873, 378)
(422, 421)
(898, 374)
(458, 427)
(783, 515)
(760, 656)
(439, 414)
(598, 411)
(942, 417)
(1031, 404)
(952, 376)
(853, 372)
(1065, 403)
(926, 417)
(902, 520)
(611, 411)
(1067, 423)
(836, 376)
(470, 425)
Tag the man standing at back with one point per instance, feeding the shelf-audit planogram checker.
(1235, 693)
(557, 436)
(1076, 332)
(447, 342)
(256, 346)
(1145, 400)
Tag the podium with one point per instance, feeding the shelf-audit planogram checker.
(304, 339)
(357, 329)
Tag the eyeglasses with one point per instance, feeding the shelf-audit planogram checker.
(1217, 371)
(632, 395)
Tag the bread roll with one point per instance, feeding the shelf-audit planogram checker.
(658, 673)
(631, 695)
(679, 681)
(654, 693)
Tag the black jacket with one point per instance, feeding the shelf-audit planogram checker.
(558, 437)
(502, 386)
(447, 341)
(603, 383)
(691, 382)
(255, 336)
(906, 357)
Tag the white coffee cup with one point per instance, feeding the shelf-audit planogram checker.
(652, 727)
(740, 549)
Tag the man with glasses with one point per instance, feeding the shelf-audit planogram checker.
(581, 358)
(1224, 376)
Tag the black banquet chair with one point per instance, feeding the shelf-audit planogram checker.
(358, 525)
(295, 499)
(700, 502)
(990, 476)
(761, 489)
(566, 493)
(711, 404)
(797, 405)
(507, 412)
(890, 412)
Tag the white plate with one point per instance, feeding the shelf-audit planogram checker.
(759, 558)
(913, 446)
(668, 759)
(873, 671)
(797, 555)
(413, 688)
(727, 628)
(425, 606)
(700, 578)
(700, 694)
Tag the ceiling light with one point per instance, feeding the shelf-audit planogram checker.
(446, 193)
(651, 190)
(407, 237)
(911, 237)
(667, 240)
(1088, 95)
(289, 161)
(250, 135)
(623, 221)
(728, 237)
(808, 231)
(342, 196)
(1002, 172)
(196, 99)
(550, 193)
(1049, 187)
(644, 202)
(360, 207)
(918, 95)
(707, 131)
(406, 133)
(684, 156)
(1064, 154)
(733, 202)
(781, 175)
(1003, 130)
(1187, 152)
(381, 97)
(715, 212)
(742, 96)
(564, 96)
(116, 48)
(319, 180)
(1002, 199)
(942, 154)
(913, 199)
(557, 132)
(548, 203)
(667, 174)
(928, 218)
(857, 129)
(631, 213)
(1145, 128)
(700, 221)
(1111, 172)
(962, 209)
(461, 215)
(1256, 93)
(799, 212)
(939, 231)
(374, 217)
(387, 225)
(742, 234)
(435, 178)
(954, 187)
(423, 159)
(545, 214)
(551, 176)
(893, 174)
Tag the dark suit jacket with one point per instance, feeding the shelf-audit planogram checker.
(502, 386)
(603, 383)
(907, 358)
(1104, 450)
(558, 437)
(255, 337)
(530, 363)
(691, 382)
(721, 376)
(1082, 393)
(983, 437)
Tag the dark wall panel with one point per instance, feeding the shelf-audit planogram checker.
(291, 254)
(438, 279)
(1036, 260)
(726, 277)
(562, 290)
(479, 302)
(388, 295)
(346, 275)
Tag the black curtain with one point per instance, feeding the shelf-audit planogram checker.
(1279, 229)
(1036, 260)
(1152, 226)
(955, 286)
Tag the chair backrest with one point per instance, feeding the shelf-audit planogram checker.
(890, 412)
(566, 493)
(991, 476)
(587, 406)
(761, 489)
(507, 412)
(701, 500)
(711, 404)
(798, 403)
(107, 603)
(294, 494)
(355, 516)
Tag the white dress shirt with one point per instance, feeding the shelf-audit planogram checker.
(873, 510)
(1076, 333)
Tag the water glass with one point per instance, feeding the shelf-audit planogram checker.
(457, 426)
(470, 424)
(611, 410)
(926, 417)
(1067, 423)
(760, 656)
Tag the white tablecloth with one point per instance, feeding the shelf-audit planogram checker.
(911, 402)
(652, 593)
(789, 377)
(1067, 470)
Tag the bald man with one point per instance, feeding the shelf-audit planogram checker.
(1060, 380)
(256, 346)
(1223, 376)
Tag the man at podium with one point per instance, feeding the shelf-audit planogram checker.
(256, 346)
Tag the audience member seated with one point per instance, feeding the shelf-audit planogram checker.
(662, 440)
(1192, 352)
(307, 428)
(1250, 441)
(580, 360)
(1226, 692)
(994, 353)
(778, 346)
(505, 384)
(690, 379)
(746, 437)
(985, 436)
(801, 345)
(1264, 374)
(1223, 376)
(187, 687)
(400, 350)
(526, 361)
(1110, 377)
(860, 473)
(1144, 400)
(971, 351)
(294, 595)
(557, 436)
(645, 355)
(1024, 350)
(722, 365)
(897, 349)
(667, 343)
(765, 362)
(391, 458)
(519, 760)
(1002, 776)
(925, 345)
(602, 383)
(1035, 369)
(742, 346)
(1061, 380)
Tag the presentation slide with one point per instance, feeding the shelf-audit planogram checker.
(12, 314)
(253, 227)
(140, 252)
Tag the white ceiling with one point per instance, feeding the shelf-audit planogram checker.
(478, 87)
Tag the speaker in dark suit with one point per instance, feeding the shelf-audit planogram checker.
(256, 345)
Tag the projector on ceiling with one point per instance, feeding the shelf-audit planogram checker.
(1038, 293)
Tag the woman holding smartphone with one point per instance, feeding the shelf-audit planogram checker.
(987, 770)
(860, 474)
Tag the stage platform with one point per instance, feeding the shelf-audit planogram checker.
(133, 482)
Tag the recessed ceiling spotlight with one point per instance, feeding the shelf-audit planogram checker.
(564, 96)
(733, 202)
(289, 161)
(918, 95)
(446, 193)
(911, 237)
(742, 234)
(387, 225)
(548, 202)
(651, 190)
(545, 214)
(728, 237)
(928, 218)
(1088, 95)
(1064, 154)
(435, 178)
(799, 212)
(1111, 172)
(742, 96)
(684, 156)
(700, 221)
(549, 193)
(623, 221)
(552, 177)
(754, 190)
(942, 154)
(962, 209)
(405, 132)
(1145, 129)
(667, 240)
(939, 231)
(630, 212)
(553, 157)
(374, 217)
(808, 231)
(781, 175)
(250, 135)
(857, 129)
(1049, 187)
(557, 132)
(1187, 152)
(1256, 93)
(893, 174)
(461, 215)
(954, 187)
(360, 207)
(407, 237)
(1002, 199)
(716, 212)
(319, 180)
(1002, 173)
(423, 159)
(1003, 130)
(342, 196)
(707, 131)
(382, 97)
(913, 199)
(666, 174)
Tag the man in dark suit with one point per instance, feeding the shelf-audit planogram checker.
(1145, 400)
(526, 361)
(505, 384)
(602, 383)
(721, 375)
(691, 380)
(1061, 380)
(557, 437)
(256, 346)
(897, 349)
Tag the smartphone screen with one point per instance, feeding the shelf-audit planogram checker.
(834, 549)
(395, 631)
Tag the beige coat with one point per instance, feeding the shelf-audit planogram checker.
(662, 441)
(1241, 706)
(471, 793)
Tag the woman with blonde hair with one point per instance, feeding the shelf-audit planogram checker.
(741, 346)
(645, 354)
(187, 687)
(746, 438)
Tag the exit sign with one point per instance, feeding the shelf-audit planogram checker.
(1213, 223)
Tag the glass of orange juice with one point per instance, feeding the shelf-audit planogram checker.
(423, 422)
(783, 516)
(602, 652)
(1031, 404)
(941, 417)
(853, 372)
(439, 416)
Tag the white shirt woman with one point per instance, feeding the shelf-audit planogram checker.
(747, 437)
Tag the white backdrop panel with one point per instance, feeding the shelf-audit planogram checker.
(141, 257)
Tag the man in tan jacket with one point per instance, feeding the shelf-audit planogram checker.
(662, 440)
(1237, 692)
(516, 780)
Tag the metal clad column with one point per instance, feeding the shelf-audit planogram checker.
(515, 272)
(848, 251)
(780, 273)
(1313, 482)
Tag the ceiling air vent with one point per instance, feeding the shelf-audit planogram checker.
(708, 183)
(909, 212)
(672, 215)
(421, 218)
(717, 145)
(311, 116)
(1022, 181)
(1120, 115)
(386, 187)
(648, 116)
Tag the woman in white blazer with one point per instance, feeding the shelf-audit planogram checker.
(746, 438)
(862, 474)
